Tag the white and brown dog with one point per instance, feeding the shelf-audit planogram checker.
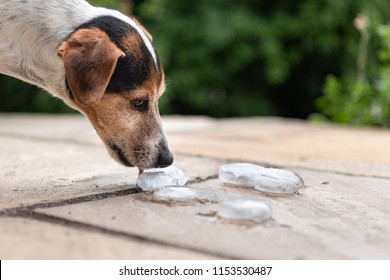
(97, 61)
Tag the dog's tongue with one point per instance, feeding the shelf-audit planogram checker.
(140, 171)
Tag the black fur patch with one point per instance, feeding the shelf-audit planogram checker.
(130, 72)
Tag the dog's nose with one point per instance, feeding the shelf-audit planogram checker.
(165, 158)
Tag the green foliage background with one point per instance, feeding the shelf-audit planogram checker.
(363, 98)
(240, 58)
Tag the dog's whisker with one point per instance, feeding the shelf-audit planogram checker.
(142, 162)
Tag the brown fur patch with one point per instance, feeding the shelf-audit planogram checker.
(132, 44)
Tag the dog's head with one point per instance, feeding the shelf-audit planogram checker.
(115, 78)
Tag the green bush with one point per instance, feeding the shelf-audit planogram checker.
(238, 58)
(362, 99)
(17, 96)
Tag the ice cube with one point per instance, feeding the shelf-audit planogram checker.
(175, 194)
(154, 179)
(268, 180)
(245, 210)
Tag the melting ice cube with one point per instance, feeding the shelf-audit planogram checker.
(154, 179)
(245, 210)
(175, 194)
(268, 180)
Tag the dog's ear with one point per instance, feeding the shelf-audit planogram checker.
(89, 58)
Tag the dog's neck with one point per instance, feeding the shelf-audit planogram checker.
(31, 34)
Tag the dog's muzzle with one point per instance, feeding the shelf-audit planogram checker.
(164, 159)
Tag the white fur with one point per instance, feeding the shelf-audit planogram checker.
(31, 32)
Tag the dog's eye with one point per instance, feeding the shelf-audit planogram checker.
(139, 104)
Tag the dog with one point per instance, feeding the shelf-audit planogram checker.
(99, 62)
